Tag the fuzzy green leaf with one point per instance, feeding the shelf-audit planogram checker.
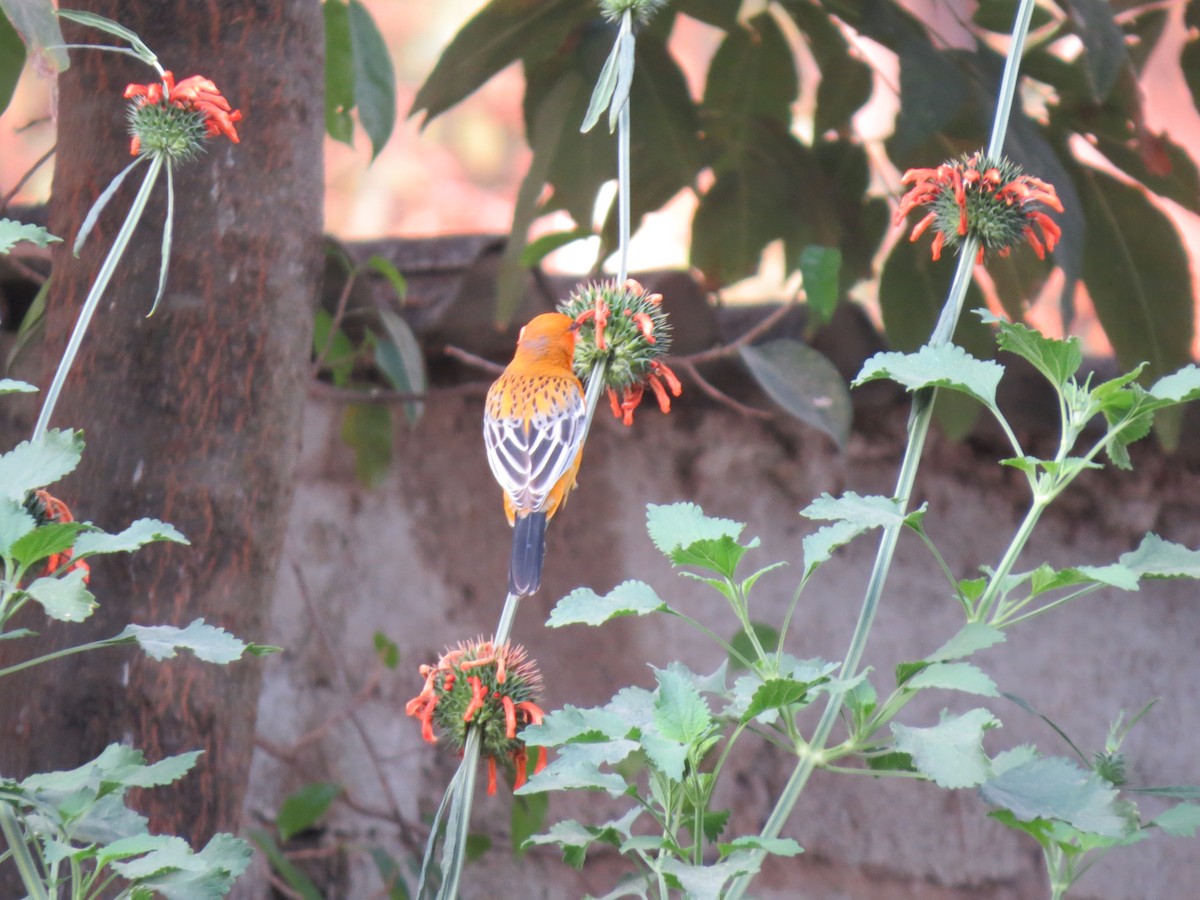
(804, 382)
(774, 846)
(15, 523)
(954, 676)
(775, 694)
(707, 882)
(45, 541)
(680, 713)
(945, 366)
(562, 726)
(208, 642)
(35, 464)
(65, 598)
(36, 21)
(1178, 387)
(972, 637)
(752, 75)
(1057, 788)
(12, 386)
(683, 526)
(1105, 53)
(177, 873)
(12, 233)
(951, 752)
(138, 534)
(1058, 360)
(367, 428)
(1181, 820)
(1156, 558)
(585, 606)
(577, 767)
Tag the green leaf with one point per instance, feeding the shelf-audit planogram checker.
(1137, 275)
(36, 20)
(585, 606)
(971, 638)
(606, 85)
(1156, 558)
(11, 232)
(15, 523)
(108, 26)
(852, 514)
(148, 775)
(775, 694)
(374, 78)
(707, 882)
(680, 713)
(35, 464)
(367, 428)
(577, 767)
(12, 386)
(945, 366)
(383, 266)
(1058, 360)
(301, 810)
(64, 598)
(99, 204)
(563, 726)
(820, 545)
(502, 32)
(1181, 820)
(45, 541)
(339, 72)
(846, 81)
(774, 846)
(1178, 387)
(820, 268)
(209, 643)
(804, 382)
(934, 89)
(1105, 54)
(400, 359)
(537, 250)
(954, 676)
(177, 873)
(951, 752)
(387, 650)
(1057, 788)
(677, 525)
(752, 75)
(333, 348)
(300, 883)
(528, 817)
(138, 534)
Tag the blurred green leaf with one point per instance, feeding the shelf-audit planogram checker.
(35, 464)
(12, 61)
(820, 267)
(388, 270)
(999, 15)
(951, 752)
(677, 525)
(339, 72)
(12, 386)
(752, 75)
(208, 642)
(1056, 788)
(537, 250)
(1181, 820)
(65, 598)
(387, 650)
(12, 232)
(300, 883)
(528, 818)
(944, 366)
(846, 81)
(400, 359)
(302, 809)
(1158, 558)
(804, 382)
(36, 21)
(1157, 162)
(953, 676)
(1103, 42)
(374, 77)
(585, 606)
(741, 644)
(138, 534)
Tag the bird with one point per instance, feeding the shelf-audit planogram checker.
(533, 430)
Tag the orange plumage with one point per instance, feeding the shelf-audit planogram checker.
(533, 431)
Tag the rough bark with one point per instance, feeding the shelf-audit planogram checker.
(192, 415)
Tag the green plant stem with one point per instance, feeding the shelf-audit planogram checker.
(918, 430)
(623, 205)
(991, 593)
(95, 292)
(57, 654)
(13, 834)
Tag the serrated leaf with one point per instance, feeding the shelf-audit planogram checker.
(65, 598)
(683, 524)
(166, 771)
(774, 846)
(666, 755)
(707, 882)
(954, 676)
(1058, 360)
(680, 713)
(374, 78)
(945, 366)
(951, 752)
(15, 523)
(585, 606)
(35, 464)
(12, 233)
(45, 541)
(138, 534)
(971, 638)
(1057, 788)
(208, 642)
(776, 694)
(571, 723)
(1157, 558)
(577, 767)
(177, 873)
(870, 511)
(302, 809)
(1178, 387)
(804, 382)
(819, 546)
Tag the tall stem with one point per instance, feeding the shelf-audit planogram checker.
(918, 430)
(95, 292)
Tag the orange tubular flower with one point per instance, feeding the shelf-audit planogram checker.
(47, 508)
(481, 685)
(989, 200)
(196, 95)
(533, 425)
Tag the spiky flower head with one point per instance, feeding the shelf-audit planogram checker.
(172, 120)
(478, 684)
(625, 327)
(978, 197)
(642, 10)
(1110, 766)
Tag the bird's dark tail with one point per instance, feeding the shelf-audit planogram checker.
(528, 550)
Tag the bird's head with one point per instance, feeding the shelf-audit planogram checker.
(549, 338)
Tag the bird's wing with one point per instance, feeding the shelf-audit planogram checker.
(529, 456)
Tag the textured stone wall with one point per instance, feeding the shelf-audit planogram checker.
(423, 559)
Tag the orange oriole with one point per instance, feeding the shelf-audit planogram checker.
(533, 430)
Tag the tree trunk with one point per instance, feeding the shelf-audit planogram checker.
(192, 415)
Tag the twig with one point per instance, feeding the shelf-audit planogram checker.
(471, 359)
(24, 178)
(336, 322)
(369, 395)
(749, 337)
(716, 393)
(23, 270)
(282, 887)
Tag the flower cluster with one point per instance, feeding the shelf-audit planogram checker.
(626, 328)
(987, 199)
(174, 119)
(47, 509)
(492, 688)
